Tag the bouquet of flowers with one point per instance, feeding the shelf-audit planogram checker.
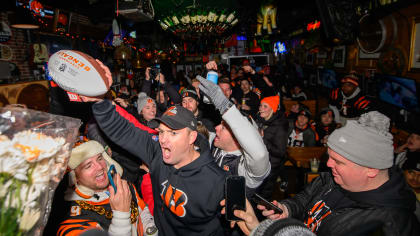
(34, 151)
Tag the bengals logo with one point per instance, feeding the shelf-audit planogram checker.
(315, 216)
(171, 111)
(175, 199)
(149, 100)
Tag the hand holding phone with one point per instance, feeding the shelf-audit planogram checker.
(235, 196)
(111, 173)
(268, 205)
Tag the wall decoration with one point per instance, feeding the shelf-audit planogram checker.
(6, 52)
(5, 32)
(339, 56)
(393, 61)
(415, 45)
(266, 18)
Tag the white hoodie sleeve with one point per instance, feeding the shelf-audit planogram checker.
(120, 224)
(255, 165)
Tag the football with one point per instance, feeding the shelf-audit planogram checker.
(78, 73)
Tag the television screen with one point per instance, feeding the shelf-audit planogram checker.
(398, 91)
(328, 78)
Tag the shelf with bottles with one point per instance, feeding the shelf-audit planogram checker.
(198, 21)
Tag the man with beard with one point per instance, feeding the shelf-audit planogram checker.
(348, 102)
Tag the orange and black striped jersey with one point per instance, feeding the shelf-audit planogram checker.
(74, 227)
(352, 107)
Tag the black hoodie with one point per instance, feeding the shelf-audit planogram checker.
(186, 199)
(328, 209)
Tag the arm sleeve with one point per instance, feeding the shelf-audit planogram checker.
(333, 99)
(256, 164)
(147, 192)
(123, 129)
(147, 87)
(75, 227)
(120, 224)
(298, 204)
(172, 93)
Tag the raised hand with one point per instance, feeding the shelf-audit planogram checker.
(270, 213)
(120, 201)
(250, 220)
(215, 94)
(211, 65)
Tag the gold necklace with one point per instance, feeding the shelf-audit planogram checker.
(108, 214)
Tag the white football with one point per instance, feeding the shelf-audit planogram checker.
(78, 73)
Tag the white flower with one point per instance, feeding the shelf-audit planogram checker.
(14, 165)
(40, 174)
(36, 146)
(29, 219)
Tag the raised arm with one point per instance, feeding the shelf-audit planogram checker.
(256, 164)
(256, 157)
(123, 129)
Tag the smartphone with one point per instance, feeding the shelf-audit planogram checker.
(268, 205)
(111, 173)
(234, 195)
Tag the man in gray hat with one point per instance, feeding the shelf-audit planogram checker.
(364, 193)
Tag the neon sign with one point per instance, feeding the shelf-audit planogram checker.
(313, 25)
(279, 47)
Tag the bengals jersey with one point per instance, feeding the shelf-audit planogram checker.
(352, 106)
(93, 213)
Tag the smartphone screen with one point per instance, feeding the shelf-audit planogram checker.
(268, 205)
(111, 173)
(234, 195)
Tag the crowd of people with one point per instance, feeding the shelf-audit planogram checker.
(173, 144)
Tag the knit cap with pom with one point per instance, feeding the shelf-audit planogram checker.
(142, 100)
(366, 142)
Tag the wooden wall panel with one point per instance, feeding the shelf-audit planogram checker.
(33, 94)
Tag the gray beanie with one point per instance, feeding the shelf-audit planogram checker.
(142, 100)
(283, 227)
(366, 142)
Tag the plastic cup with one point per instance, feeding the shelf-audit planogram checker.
(314, 165)
(212, 76)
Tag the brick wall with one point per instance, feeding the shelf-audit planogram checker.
(20, 47)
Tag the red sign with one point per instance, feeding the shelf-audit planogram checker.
(313, 25)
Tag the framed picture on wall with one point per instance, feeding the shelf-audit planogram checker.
(415, 45)
(339, 56)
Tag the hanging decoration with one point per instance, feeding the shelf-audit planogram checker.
(266, 18)
(43, 15)
(117, 39)
(194, 21)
